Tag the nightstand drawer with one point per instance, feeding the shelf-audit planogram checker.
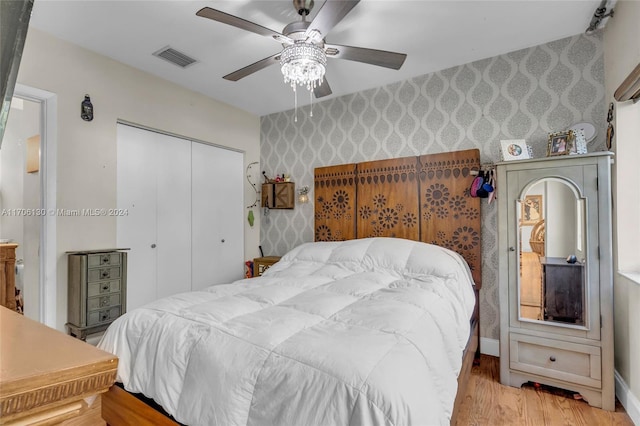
(103, 315)
(96, 289)
(103, 259)
(101, 302)
(99, 274)
(556, 359)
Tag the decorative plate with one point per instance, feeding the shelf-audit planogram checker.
(588, 129)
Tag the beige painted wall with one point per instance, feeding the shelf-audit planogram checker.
(86, 169)
(622, 54)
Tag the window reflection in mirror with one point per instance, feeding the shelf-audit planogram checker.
(552, 284)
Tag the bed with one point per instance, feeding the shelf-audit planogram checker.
(357, 329)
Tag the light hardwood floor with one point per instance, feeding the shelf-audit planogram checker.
(489, 403)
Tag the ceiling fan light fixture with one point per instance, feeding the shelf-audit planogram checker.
(303, 64)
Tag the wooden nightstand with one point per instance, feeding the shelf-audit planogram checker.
(261, 264)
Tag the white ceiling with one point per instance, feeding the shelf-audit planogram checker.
(434, 34)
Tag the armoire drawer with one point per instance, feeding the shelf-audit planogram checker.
(103, 259)
(100, 274)
(101, 288)
(571, 362)
(102, 316)
(101, 302)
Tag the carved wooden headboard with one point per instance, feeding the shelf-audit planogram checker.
(422, 198)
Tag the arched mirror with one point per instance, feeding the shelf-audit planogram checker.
(552, 247)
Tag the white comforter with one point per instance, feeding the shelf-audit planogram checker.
(362, 332)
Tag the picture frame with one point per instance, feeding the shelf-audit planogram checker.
(531, 210)
(514, 149)
(560, 143)
(579, 145)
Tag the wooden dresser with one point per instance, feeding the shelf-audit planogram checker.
(8, 275)
(47, 377)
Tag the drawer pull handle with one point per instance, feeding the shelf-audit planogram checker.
(552, 358)
(105, 287)
(104, 301)
(104, 316)
(105, 259)
(105, 274)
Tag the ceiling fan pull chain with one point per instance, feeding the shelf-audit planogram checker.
(311, 100)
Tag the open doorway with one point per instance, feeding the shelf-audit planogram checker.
(20, 199)
(28, 197)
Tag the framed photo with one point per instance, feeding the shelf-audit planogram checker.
(514, 149)
(560, 143)
(531, 210)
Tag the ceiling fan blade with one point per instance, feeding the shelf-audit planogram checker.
(331, 12)
(381, 58)
(250, 69)
(234, 21)
(323, 89)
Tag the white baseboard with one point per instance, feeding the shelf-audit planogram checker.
(489, 346)
(627, 399)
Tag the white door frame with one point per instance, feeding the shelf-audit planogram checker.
(48, 176)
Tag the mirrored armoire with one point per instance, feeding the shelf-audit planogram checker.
(556, 274)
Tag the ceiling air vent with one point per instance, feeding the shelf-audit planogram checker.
(172, 55)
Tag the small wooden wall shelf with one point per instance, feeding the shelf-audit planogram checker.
(278, 195)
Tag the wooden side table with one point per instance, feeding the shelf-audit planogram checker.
(261, 264)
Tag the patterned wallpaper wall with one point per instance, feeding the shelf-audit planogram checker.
(520, 95)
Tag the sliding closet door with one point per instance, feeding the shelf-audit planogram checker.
(217, 216)
(173, 237)
(136, 194)
(154, 186)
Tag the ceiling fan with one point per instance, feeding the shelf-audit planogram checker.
(304, 47)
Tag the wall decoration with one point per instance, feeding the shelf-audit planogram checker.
(33, 154)
(579, 145)
(86, 109)
(560, 143)
(531, 212)
(588, 129)
(514, 149)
